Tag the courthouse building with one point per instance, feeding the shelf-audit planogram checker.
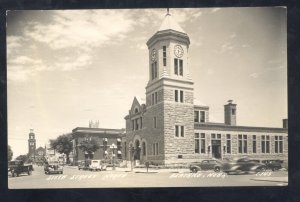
(169, 128)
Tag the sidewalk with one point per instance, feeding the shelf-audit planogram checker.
(272, 179)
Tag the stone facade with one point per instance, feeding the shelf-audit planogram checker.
(153, 127)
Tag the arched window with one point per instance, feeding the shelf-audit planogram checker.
(144, 148)
(136, 110)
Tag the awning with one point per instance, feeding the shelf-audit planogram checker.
(119, 152)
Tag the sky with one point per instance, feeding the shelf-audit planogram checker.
(67, 67)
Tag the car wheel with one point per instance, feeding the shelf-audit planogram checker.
(217, 169)
(194, 170)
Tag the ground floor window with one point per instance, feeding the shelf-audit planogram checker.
(278, 144)
(265, 144)
(144, 148)
(155, 149)
(200, 143)
(228, 143)
(254, 143)
(242, 144)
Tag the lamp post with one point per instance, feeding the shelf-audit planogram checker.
(113, 147)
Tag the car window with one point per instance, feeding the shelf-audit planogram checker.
(205, 161)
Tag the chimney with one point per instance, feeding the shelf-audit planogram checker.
(230, 113)
(285, 123)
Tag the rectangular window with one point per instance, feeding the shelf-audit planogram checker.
(164, 55)
(242, 144)
(202, 145)
(213, 136)
(182, 131)
(181, 96)
(155, 69)
(197, 143)
(233, 111)
(156, 148)
(152, 99)
(155, 96)
(176, 66)
(202, 116)
(176, 95)
(278, 144)
(153, 149)
(141, 122)
(254, 144)
(228, 143)
(154, 122)
(196, 116)
(152, 71)
(181, 67)
(132, 123)
(136, 124)
(176, 131)
(265, 144)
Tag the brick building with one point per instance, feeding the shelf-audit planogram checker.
(168, 128)
(104, 137)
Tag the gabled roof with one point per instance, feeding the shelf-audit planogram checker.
(169, 23)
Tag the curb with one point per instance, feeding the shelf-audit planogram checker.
(269, 180)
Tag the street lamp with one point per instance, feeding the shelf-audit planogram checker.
(113, 147)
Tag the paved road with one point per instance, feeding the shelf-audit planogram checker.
(74, 178)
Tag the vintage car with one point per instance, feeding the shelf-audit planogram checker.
(84, 164)
(17, 167)
(53, 167)
(243, 165)
(273, 164)
(97, 165)
(211, 164)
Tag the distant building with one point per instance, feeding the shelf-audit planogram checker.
(104, 137)
(40, 154)
(169, 128)
(31, 145)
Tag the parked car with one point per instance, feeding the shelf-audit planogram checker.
(17, 167)
(84, 165)
(212, 164)
(97, 165)
(273, 164)
(243, 165)
(53, 167)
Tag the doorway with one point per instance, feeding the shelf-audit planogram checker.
(216, 149)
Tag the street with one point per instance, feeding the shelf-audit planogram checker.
(74, 178)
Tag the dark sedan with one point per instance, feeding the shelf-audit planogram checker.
(243, 165)
(273, 164)
(206, 165)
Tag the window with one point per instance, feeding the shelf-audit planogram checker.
(200, 143)
(141, 122)
(202, 116)
(154, 70)
(136, 124)
(132, 123)
(196, 116)
(228, 143)
(164, 55)
(155, 149)
(254, 143)
(182, 131)
(180, 94)
(154, 122)
(233, 111)
(278, 144)
(178, 66)
(265, 144)
(242, 144)
(144, 149)
(154, 98)
(179, 130)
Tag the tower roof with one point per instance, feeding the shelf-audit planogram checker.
(170, 23)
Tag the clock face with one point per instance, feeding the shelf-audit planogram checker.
(178, 51)
(153, 55)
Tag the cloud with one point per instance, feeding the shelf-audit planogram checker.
(254, 75)
(13, 43)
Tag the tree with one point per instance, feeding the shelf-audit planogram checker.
(23, 158)
(63, 145)
(9, 153)
(89, 146)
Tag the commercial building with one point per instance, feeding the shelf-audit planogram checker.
(169, 128)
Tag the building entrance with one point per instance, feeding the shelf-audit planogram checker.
(216, 149)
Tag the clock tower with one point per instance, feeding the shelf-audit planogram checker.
(31, 145)
(169, 92)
